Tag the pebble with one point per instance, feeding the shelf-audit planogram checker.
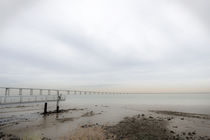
(172, 131)
(194, 133)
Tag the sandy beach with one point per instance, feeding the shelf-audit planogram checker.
(100, 122)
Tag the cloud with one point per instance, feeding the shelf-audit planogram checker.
(106, 44)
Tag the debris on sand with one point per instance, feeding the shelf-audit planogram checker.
(104, 106)
(65, 119)
(89, 114)
(151, 128)
(8, 137)
(45, 138)
(87, 132)
(137, 128)
(61, 111)
(183, 114)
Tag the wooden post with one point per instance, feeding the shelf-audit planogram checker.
(45, 108)
(57, 105)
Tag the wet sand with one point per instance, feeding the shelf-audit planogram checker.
(101, 122)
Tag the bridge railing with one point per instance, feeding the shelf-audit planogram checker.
(29, 99)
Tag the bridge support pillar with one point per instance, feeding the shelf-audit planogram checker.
(31, 91)
(20, 93)
(49, 92)
(6, 93)
(40, 91)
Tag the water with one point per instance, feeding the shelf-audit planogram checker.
(142, 99)
(192, 103)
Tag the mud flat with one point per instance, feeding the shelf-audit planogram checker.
(101, 122)
(137, 127)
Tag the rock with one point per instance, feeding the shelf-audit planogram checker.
(14, 138)
(193, 132)
(9, 135)
(44, 138)
(2, 135)
(172, 132)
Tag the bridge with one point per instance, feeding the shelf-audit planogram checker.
(14, 95)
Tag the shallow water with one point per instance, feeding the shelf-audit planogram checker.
(139, 99)
(193, 103)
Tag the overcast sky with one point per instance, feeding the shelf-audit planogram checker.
(119, 45)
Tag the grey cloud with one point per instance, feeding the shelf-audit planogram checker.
(65, 46)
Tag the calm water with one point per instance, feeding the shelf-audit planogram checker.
(194, 103)
(142, 99)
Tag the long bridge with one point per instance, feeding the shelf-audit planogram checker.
(14, 95)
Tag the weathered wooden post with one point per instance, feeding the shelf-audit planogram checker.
(45, 108)
(57, 105)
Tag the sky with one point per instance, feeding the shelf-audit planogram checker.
(110, 45)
